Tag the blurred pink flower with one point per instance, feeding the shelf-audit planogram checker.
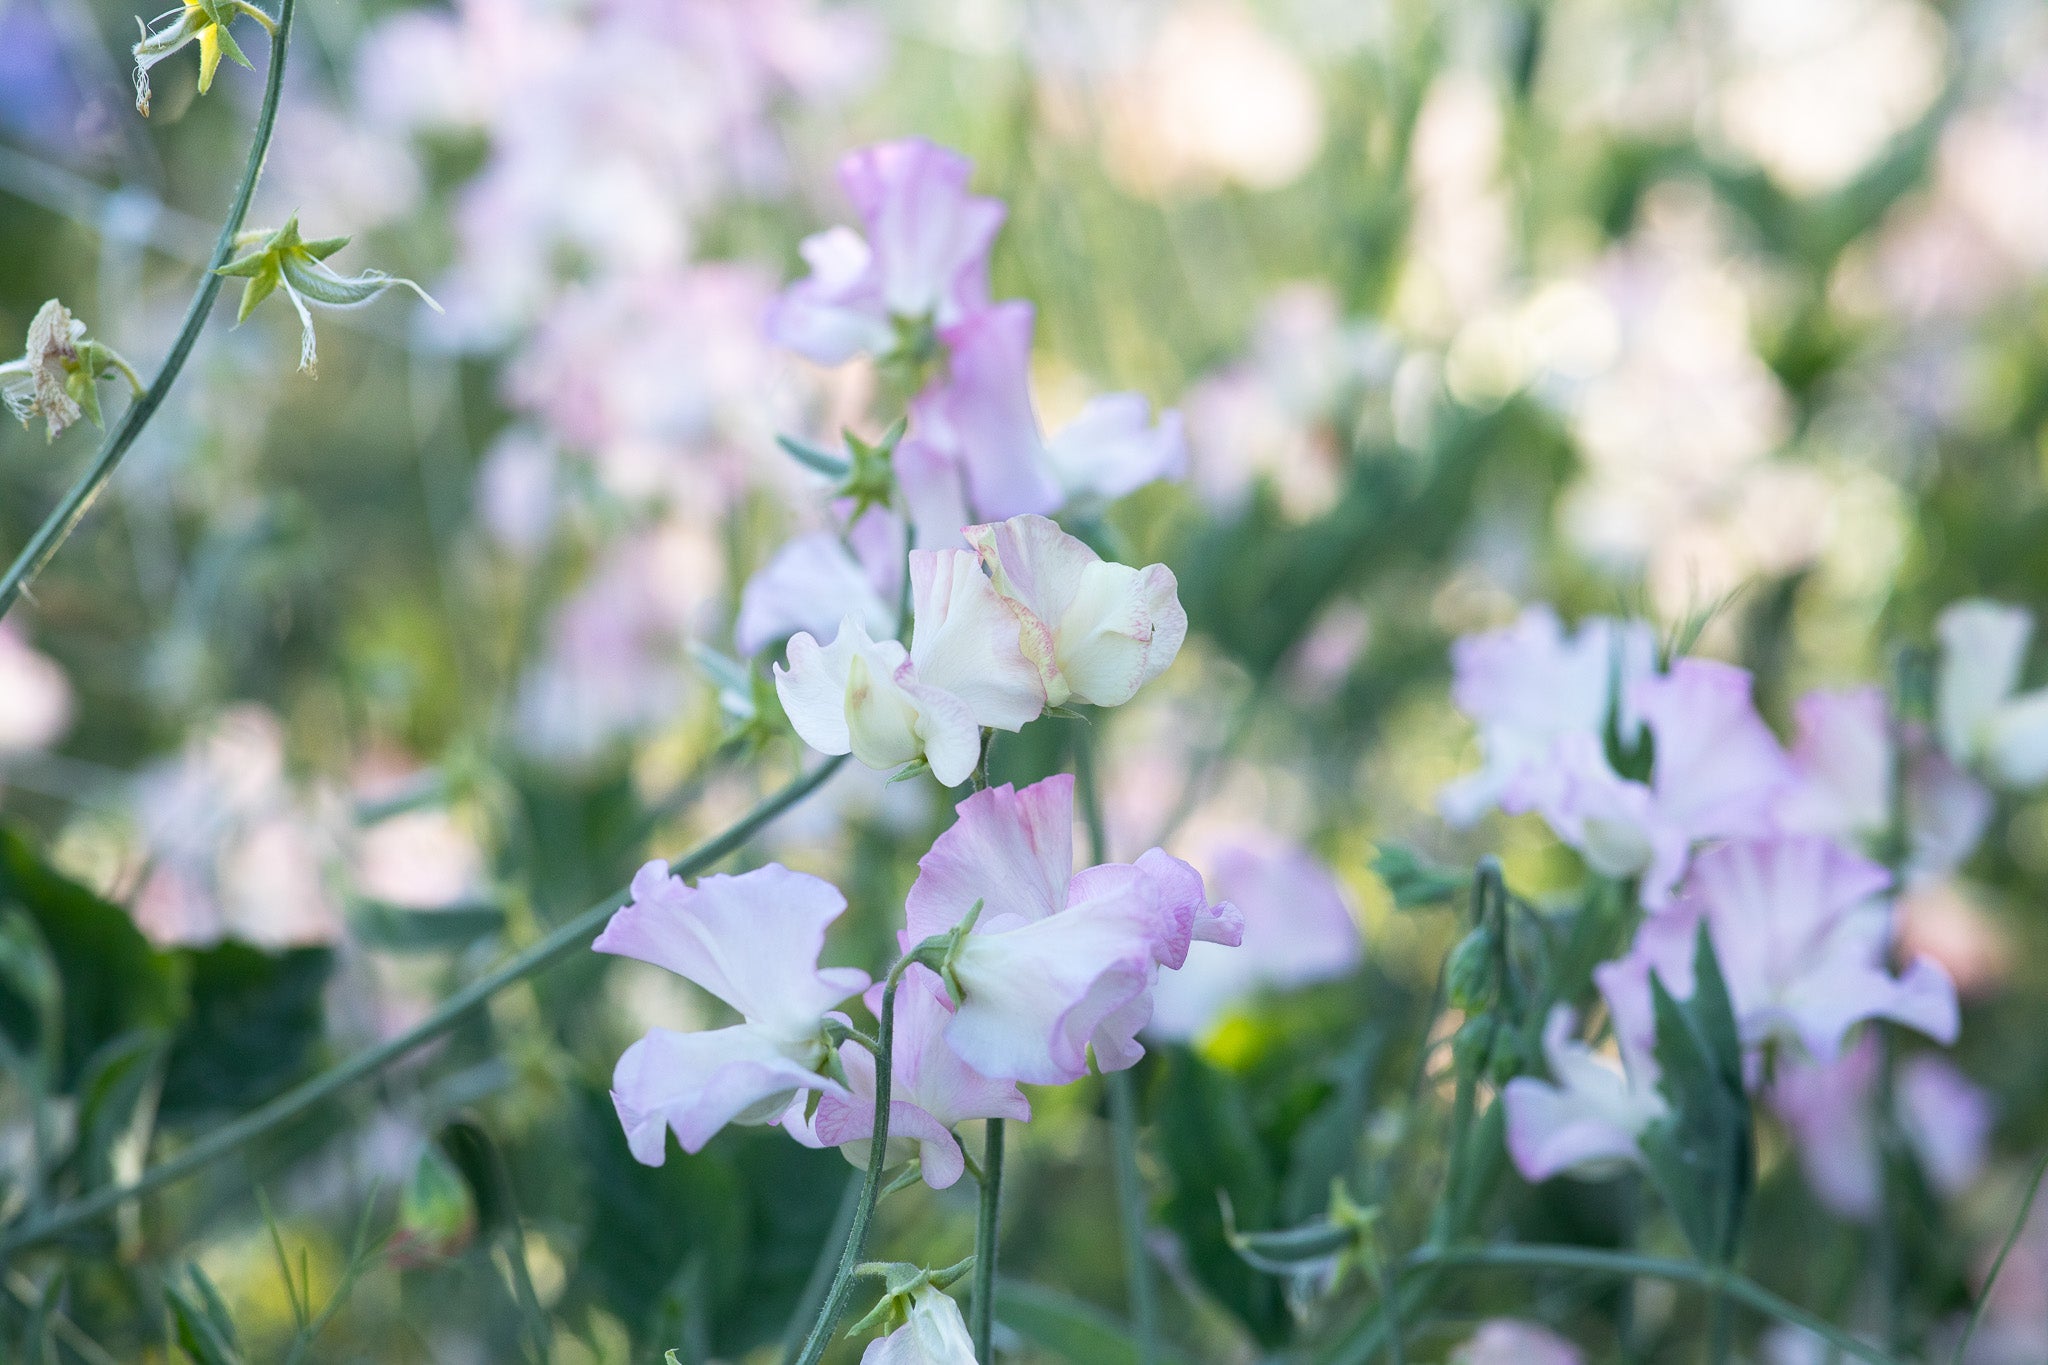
(1511, 1341)
(820, 578)
(932, 1090)
(1297, 930)
(924, 258)
(981, 445)
(1095, 632)
(35, 696)
(232, 849)
(1059, 963)
(1587, 1119)
(1830, 1108)
(1802, 938)
(1529, 685)
(753, 941)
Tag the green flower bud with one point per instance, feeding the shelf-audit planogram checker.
(1469, 971)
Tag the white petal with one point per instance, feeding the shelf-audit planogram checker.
(1983, 645)
(966, 641)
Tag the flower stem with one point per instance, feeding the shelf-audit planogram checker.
(2019, 1224)
(870, 1186)
(572, 936)
(986, 1228)
(1714, 1279)
(1130, 1198)
(62, 521)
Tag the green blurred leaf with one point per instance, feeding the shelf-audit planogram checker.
(117, 1081)
(401, 929)
(1068, 1328)
(113, 980)
(1209, 1143)
(254, 1027)
(1701, 1155)
(205, 1332)
(1412, 881)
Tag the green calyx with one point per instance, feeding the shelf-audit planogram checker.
(901, 1284)
(281, 258)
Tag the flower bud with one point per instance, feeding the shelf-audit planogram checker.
(1468, 973)
(437, 1214)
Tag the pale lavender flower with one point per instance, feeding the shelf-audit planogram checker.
(753, 941)
(1587, 1119)
(923, 260)
(933, 1333)
(818, 579)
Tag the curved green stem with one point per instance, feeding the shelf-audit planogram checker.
(570, 937)
(1713, 1279)
(59, 525)
(871, 1184)
(2019, 1224)
(987, 1226)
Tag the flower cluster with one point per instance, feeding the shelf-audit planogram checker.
(1666, 777)
(1042, 968)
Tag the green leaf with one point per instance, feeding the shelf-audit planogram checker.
(1208, 1143)
(110, 1096)
(1701, 1155)
(1413, 882)
(113, 980)
(254, 1028)
(813, 457)
(1066, 1327)
(205, 1332)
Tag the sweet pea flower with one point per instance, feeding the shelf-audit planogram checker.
(1982, 724)
(1844, 778)
(1529, 685)
(1587, 1120)
(980, 440)
(1511, 1341)
(1802, 940)
(1716, 772)
(1096, 632)
(933, 1333)
(932, 1090)
(753, 941)
(888, 706)
(1058, 962)
(1297, 930)
(924, 257)
(819, 579)
(1831, 1109)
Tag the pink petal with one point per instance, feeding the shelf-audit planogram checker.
(1111, 448)
(1012, 850)
(809, 587)
(983, 416)
(1036, 996)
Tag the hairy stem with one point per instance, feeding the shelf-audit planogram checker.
(982, 1324)
(870, 1186)
(61, 522)
(572, 936)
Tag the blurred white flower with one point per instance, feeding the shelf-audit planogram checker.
(35, 696)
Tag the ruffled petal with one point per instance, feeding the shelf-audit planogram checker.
(1012, 850)
(697, 1083)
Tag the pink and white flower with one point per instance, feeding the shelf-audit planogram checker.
(932, 1091)
(753, 941)
(1059, 962)
(1095, 632)
(888, 706)
(924, 257)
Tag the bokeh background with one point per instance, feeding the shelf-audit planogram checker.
(1729, 309)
